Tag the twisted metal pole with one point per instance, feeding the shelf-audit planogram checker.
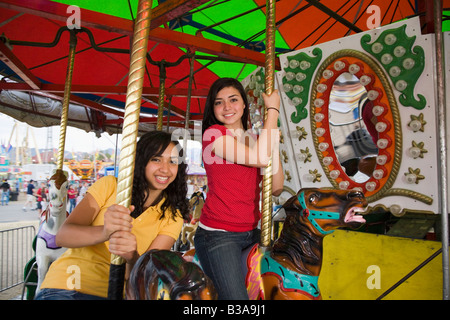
(66, 101)
(188, 104)
(162, 92)
(129, 133)
(266, 221)
(441, 130)
(169, 108)
(162, 65)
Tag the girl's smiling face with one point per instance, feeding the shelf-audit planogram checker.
(229, 108)
(162, 170)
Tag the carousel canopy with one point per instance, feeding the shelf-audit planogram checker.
(224, 37)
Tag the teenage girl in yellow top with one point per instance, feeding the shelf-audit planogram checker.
(98, 227)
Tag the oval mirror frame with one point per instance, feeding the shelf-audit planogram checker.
(385, 110)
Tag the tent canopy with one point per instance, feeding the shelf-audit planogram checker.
(227, 38)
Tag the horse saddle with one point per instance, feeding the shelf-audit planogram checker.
(49, 239)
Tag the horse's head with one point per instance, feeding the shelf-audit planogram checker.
(324, 210)
(57, 191)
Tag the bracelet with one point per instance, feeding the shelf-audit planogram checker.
(273, 109)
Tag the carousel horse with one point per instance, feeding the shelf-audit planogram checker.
(165, 275)
(188, 230)
(288, 270)
(51, 220)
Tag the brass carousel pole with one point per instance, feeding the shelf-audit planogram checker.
(162, 65)
(188, 105)
(66, 101)
(169, 108)
(129, 133)
(266, 221)
(162, 91)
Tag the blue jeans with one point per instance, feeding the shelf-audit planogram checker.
(73, 203)
(5, 197)
(60, 294)
(220, 254)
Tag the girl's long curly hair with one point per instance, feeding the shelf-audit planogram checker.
(153, 144)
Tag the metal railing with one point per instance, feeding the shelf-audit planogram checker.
(16, 249)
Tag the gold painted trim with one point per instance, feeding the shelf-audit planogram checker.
(370, 209)
(410, 194)
(289, 190)
(397, 156)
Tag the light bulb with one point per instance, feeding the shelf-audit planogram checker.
(293, 64)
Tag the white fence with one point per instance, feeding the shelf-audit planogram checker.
(15, 251)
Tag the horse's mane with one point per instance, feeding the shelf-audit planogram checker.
(59, 177)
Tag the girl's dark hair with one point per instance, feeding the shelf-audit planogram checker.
(209, 118)
(153, 144)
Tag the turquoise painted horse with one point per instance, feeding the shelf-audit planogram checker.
(289, 269)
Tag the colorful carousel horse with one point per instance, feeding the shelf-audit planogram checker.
(288, 270)
(52, 218)
(188, 230)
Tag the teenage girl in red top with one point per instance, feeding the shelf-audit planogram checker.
(233, 158)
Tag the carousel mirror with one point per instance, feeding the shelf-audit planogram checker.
(352, 141)
(355, 123)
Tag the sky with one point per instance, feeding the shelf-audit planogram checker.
(76, 139)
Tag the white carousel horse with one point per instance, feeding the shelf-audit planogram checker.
(51, 220)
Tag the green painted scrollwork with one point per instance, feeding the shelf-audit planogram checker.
(297, 81)
(403, 63)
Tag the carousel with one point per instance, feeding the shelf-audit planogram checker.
(363, 143)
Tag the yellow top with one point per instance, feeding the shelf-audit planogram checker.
(86, 269)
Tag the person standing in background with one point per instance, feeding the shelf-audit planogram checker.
(72, 194)
(83, 189)
(44, 196)
(39, 198)
(30, 196)
(5, 192)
